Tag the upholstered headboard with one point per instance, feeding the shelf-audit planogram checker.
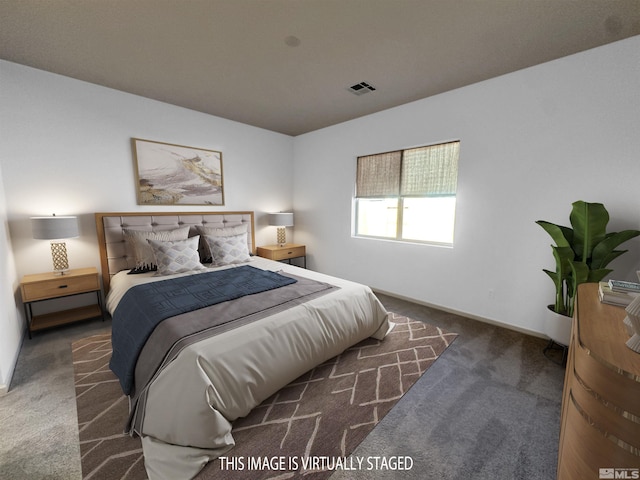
(114, 250)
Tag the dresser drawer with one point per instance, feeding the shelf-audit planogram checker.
(286, 253)
(59, 287)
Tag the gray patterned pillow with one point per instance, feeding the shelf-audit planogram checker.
(217, 232)
(137, 240)
(228, 250)
(180, 256)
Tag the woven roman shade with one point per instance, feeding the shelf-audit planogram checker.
(379, 175)
(430, 171)
(419, 172)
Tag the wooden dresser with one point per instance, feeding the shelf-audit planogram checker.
(600, 425)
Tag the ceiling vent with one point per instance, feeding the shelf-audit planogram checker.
(361, 88)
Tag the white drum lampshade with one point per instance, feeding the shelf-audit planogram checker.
(56, 228)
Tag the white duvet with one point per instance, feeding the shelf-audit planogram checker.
(193, 401)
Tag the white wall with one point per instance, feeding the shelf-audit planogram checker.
(10, 326)
(532, 142)
(65, 148)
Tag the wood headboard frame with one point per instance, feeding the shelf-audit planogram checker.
(114, 250)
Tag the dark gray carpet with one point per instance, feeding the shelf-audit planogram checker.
(489, 408)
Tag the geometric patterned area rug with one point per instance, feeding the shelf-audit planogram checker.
(307, 429)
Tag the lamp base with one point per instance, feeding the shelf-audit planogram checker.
(282, 236)
(59, 257)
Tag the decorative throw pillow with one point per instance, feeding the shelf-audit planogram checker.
(217, 232)
(180, 256)
(228, 250)
(137, 240)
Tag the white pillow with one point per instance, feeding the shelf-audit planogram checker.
(228, 250)
(180, 256)
(137, 240)
(217, 232)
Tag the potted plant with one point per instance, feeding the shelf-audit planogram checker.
(582, 254)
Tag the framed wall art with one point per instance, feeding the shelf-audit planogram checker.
(168, 174)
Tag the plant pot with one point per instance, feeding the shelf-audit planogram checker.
(558, 327)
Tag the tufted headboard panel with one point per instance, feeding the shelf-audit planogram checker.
(114, 250)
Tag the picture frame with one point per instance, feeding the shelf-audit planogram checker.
(170, 174)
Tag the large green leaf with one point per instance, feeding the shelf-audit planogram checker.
(598, 275)
(558, 283)
(579, 275)
(605, 252)
(563, 236)
(563, 257)
(589, 222)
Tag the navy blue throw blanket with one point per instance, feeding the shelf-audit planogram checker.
(145, 306)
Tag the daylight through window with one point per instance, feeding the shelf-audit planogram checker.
(408, 194)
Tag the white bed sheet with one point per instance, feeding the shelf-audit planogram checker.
(192, 401)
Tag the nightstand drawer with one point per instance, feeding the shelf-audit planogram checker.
(286, 253)
(59, 287)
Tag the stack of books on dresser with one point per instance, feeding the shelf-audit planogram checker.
(618, 292)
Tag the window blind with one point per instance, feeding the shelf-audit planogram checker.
(430, 171)
(379, 175)
(423, 171)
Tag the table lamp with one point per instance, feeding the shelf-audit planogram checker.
(281, 220)
(56, 228)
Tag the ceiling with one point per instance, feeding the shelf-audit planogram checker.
(287, 65)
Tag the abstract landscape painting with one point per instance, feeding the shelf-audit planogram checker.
(170, 174)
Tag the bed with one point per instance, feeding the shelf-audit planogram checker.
(200, 369)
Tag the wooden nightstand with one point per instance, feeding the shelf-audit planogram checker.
(285, 252)
(47, 286)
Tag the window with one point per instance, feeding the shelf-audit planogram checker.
(408, 195)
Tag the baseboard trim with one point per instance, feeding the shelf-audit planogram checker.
(4, 387)
(472, 316)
